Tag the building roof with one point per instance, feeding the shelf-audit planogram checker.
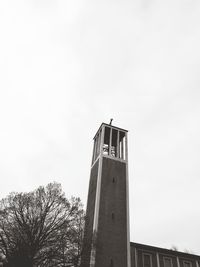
(164, 251)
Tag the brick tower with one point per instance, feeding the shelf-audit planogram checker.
(106, 240)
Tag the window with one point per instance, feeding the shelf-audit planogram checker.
(147, 260)
(113, 216)
(187, 264)
(167, 262)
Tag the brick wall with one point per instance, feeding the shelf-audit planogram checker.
(87, 241)
(111, 245)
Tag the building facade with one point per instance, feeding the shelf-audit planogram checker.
(106, 240)
(149, 256)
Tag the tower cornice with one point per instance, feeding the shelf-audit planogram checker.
(111, 126)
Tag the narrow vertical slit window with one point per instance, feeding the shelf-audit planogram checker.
(113, 216)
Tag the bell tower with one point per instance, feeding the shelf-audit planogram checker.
(106, 241)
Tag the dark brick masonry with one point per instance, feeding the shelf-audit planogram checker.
(87, 241)
(111, 239)
(112, 229)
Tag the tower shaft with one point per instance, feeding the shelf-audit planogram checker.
(106, 238)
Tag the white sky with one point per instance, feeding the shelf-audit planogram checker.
(66, 66)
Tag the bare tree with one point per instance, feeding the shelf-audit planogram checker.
(41, 228)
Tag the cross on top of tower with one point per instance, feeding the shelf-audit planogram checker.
(111, 121)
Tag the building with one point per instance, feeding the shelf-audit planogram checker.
(106, 240)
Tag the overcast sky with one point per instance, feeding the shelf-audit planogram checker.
(66, 66)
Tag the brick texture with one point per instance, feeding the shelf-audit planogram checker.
(111, 243)
(87, 240)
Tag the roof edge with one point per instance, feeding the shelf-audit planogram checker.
(110, 125)
(164, 250)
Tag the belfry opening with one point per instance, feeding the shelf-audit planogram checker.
(113, 143)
